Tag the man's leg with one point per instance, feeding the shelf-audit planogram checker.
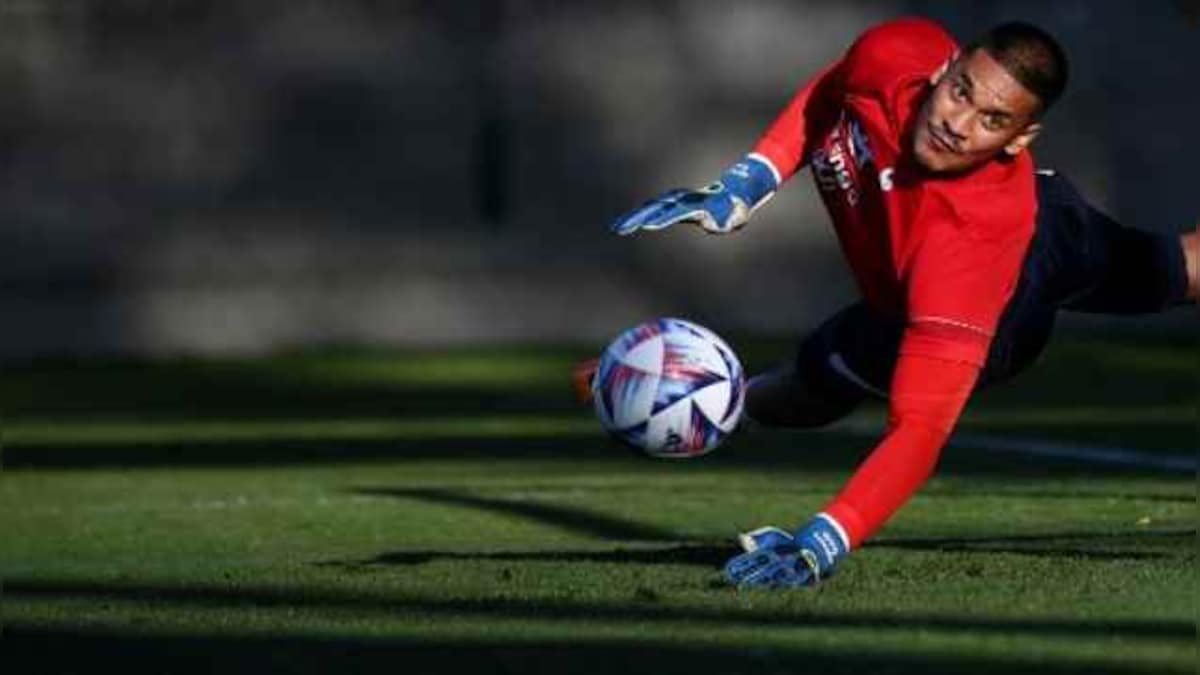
(1101, 266)
(846, 360)
(1190, 243)
(1082, 260)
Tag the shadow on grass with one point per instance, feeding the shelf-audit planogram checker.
(1082, 545)
(63, 650)
(414, 386)
(1138, 545)
(714, 556)
(421, 386)
(288, 452)
(700, 555)
(1063, 494)
(580, 521)
(365, 382)
(289, 387)
(642, 607)
(587, 523)
(808, 451)
(264, 398)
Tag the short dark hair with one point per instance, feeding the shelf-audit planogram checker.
(1030, 55)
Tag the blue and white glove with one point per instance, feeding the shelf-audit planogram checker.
(777, 559)
(719, 207)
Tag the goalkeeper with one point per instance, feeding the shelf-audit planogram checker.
(962, 253)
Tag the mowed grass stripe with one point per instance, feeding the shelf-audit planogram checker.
(645, 609)
(104, 432)
(216, 431)
(900, 644)
(1082, 416)
(600, 649)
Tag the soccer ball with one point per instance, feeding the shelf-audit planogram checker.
(669, 388)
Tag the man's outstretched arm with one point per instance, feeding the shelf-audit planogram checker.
(927, 397)
(957, 286)
(725, 205)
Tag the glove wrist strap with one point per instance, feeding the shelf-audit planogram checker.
(753, 180)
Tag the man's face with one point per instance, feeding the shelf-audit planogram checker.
(975, 111)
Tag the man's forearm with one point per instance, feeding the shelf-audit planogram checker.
(926, 399)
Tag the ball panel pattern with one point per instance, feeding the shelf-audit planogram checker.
(670, 388)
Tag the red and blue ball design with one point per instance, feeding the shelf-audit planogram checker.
(669, 388)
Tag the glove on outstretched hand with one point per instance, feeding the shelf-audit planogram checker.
(719, 207)
(776, 559)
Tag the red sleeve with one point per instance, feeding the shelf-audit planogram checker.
(894, 52)
(926, 400)
(958, 283)
(878, 60)
(786, 142)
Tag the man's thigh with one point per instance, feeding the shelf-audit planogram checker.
(853, 354)
(822, 384)
(1089, 262)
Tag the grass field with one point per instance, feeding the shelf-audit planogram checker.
(455, 512)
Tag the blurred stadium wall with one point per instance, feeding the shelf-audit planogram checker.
(187, 176)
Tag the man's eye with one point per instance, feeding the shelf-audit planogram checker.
(993, 122)
(958, 91)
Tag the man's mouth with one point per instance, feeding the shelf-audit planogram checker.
(939, 143)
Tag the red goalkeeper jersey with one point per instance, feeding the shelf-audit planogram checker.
(944, 252)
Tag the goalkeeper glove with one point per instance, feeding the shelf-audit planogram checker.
(719, 207)
(776, 559)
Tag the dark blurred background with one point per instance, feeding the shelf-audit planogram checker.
(203, 177)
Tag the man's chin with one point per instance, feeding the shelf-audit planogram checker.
(929, 162)
(939, 163)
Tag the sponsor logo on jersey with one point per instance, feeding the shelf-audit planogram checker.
(835, 164)
(842, 159)
(859, 147)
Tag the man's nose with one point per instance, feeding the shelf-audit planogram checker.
(955, 124)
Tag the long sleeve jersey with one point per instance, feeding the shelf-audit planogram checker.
(941, 253)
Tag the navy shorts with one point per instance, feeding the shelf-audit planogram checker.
(1079, 260)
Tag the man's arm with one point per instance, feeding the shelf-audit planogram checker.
(785, 144)
(927, 397)
(726, 204)
(957, 285)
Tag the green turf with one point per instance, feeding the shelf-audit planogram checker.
(456, 512)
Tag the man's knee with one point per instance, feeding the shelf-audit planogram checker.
(781, 398)
(835, 368)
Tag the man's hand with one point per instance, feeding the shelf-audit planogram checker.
(776, 559)
(718, 208)
(764, 537)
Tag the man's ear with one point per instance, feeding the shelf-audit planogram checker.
(1023, 139)
(937, 75)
